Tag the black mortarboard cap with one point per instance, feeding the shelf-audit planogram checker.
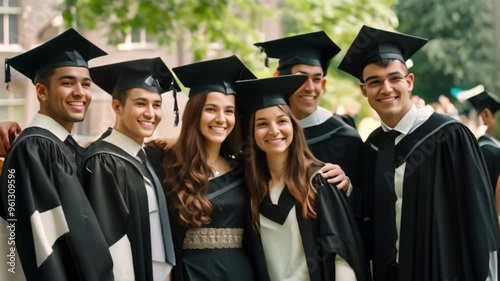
(314, 48)
(480, 99)
(371, 45)
(67, 49)
(150, 74)
(257, 94)
(216, 75)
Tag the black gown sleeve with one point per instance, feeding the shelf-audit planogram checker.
(117, 193)
(57, 233)
(492, 158)
(338, 229)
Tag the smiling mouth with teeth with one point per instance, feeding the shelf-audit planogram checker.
(308, 97)
(387, 99)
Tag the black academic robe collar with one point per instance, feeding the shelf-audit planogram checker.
(44, 133)
(487, 139)
(331, 127)
(410, 142)
(279, 212)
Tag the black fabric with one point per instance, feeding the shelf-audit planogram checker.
(491, 154)
(217, 75)
(279, 212)
(334, 141)
(448, 221)
(66, 49)
(373, 44)
(257, 94)
(229, 211)
(348, 119)
(384, 178)
(45, 178)
(162, 208)
(333, 232)
(114, 184)
(150, 74)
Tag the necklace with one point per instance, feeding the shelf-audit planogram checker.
(216, 172)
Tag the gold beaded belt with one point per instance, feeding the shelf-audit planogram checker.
(213, 238)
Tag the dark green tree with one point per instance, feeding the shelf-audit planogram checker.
(461, 50)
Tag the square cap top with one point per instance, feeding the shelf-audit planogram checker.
(257, 94)
(216, 75)
(67, 49)
(150, 74)
(314, 48)
(480, 99)
(371, 45)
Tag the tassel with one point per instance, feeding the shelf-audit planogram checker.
(7, 74)
(266, 60)
(176, 109)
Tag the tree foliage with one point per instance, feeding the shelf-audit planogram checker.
(197, 22)
(460, 52)
(235, 25)
(341, 20)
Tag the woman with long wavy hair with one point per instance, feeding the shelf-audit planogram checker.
(303, 226)
(202, 179)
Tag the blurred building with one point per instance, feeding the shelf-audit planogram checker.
(25, 24)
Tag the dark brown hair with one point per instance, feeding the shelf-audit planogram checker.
(186, 170)
(301, 165)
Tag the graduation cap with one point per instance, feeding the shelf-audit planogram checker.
(371, 45)
(480, 99)
(216, 75)
(150, 74)
(314, 48)
(67, 49)
(257, 94)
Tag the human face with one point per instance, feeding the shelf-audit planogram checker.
(67, 95)
(217, 117)
(388, 90)
(305, 100)
(273, 130)
(140, 115)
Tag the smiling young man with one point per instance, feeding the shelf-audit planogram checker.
(120, 183)
(426, 193)
(57, 235)
(330, 139)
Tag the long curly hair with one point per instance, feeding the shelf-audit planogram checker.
(301, 165)
(186, 172)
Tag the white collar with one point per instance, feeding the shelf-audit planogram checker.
(319, 116)
(49, 124)
(123, 142)
(415, 117)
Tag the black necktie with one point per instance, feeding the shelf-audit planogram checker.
(385, 198)
(162, 205)
(71, 143)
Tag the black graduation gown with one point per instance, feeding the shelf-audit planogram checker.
(227, 193)
(449, 224)
(333, 232)
(336, 142)
(114, 184)
(491, 153)
(44, 180)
